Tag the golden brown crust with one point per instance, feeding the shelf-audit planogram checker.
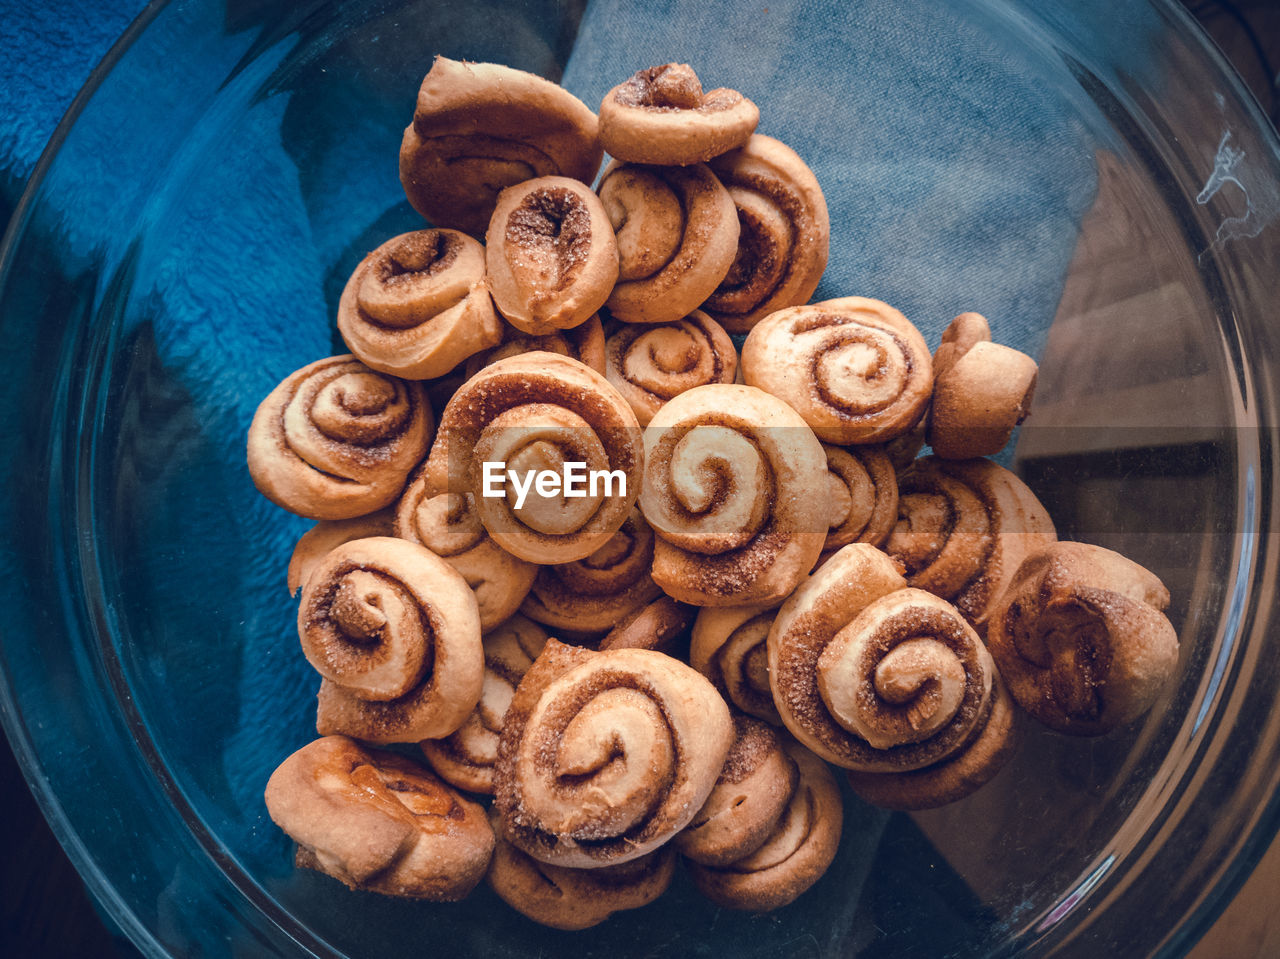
(606, 756)
(592, 594)
(551, 256)
(963, 528)
(418, 305)
(677, 231)
(572, 899)
(661, 115)
(584, 343)
(316, 543)
(862, 493)
(395, 633)
(755, 785)
(536, 411)
(656, 625)
(729, 648)
(981, 391)
(449, 525)
(784, 233)
(1081, 638)
(856, 369)
(481, 127)
(794, 857)
(466, 756)
(651, 365)
(378, 822)
(728, 490)
(337, 440)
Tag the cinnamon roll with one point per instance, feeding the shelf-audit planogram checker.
(862, 496)
(963, 529)
(466, 756)
(539, 411)
(655, 626)
(854, 368)
(590, 595)
(784, 233)
(417, 306)
(572, 899)
(449, 525)
(728, 490)
(378, 822)
(606, 756)
(1082, 640)
(584, 343)
(981, 391)
(661, 115)
(757, 781)
(729, 648)
(337, 440)
(395, 633)
(316, 543)
(677, 231)
(481, 127)
(797, 853)
(650, 365)
(551, 255)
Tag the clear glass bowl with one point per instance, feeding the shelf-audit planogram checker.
(181, 247)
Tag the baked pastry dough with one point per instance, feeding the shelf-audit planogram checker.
(316, 543)
(378, 822)
(661, 115)
(784, 233)
(566, 898)
(854, 368)
(650, 365)
(657, 625)
(480, 127)
(677, 231)
(417, 306)
(537, 411)
(551, 255)
(466, 756)
(796, 854)
(337, 440)
(606, 756)
(964, 527)
(1082, 640)
(729, 480)
(584, 343)
(395, 633)
(981, 391)
(862, 496)
(729, 648)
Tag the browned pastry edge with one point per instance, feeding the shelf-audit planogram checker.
(326, 535)
(736, 637)
(857, 474)
(655, 626)
(584, 343)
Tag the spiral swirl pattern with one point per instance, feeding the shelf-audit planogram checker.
(677, 233)
(337, 440)
(606, 756)
(729, 648)
(651, 365)
(728, 491)
(538, 411)
(417, 306)
(862, 489)
(854, 368)
(481, 127)
(316, 543)
(395, 633)
(784, 233)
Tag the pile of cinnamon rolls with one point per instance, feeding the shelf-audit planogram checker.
(776, 586)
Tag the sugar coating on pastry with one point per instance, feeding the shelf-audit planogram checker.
(662, 115)
(862, 496)
(395, 632)
(550, 253)
(982, 391)
(418, 305)
(1082, 640)
(481, 127)
(378, 822)
(784, 233)
(337, 440)
(855, 368)
(729, 648)
(653, 364)
(316, 543)
(677, 231)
